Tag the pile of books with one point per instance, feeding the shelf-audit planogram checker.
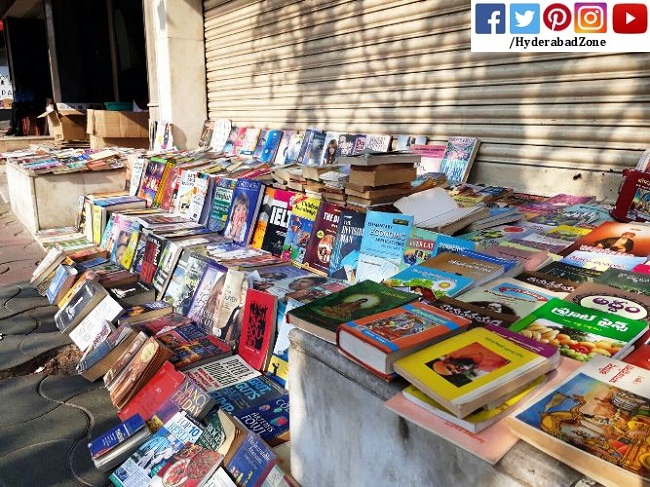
(181, 294)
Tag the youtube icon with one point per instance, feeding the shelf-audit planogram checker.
(630, 18)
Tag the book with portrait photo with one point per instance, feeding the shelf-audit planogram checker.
(321, 244)
(614, 237)
(246, 201)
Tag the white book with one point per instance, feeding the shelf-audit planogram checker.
(222, 373)
(97, 323)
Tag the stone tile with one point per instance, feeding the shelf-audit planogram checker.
(62, 388)
(38, 343)
(83, 468)
(21, 401)
(18, 325)
(10, 354)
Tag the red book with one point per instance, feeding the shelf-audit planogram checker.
(258, 328)
(640, 356)
(162, 385)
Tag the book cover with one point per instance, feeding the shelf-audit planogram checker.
(331, 145)
(382, 246)
(221, 202)
(222, 373)
(347, 242)
(477, 315)
(447, 243)
(229, 313)
(207, 296)
(430, 283)
(269, 419)
(346, 145)
(301, 223)
(462, 371)
(556, 285)
(595, 421)
(281, 153)
(97, 324)
(507, 296)
(115, 436)
(458, 158)
(196, 351)
(246, 200)
(258, 328)
(599, 261)
(279, 280)
(293, 148)
(570, 272)
(531, 259)
(396, 332)
(82, 303)
(180, 293)
(271, 145)
(478, 270)
(244, 395)
(419, 247)
(190, 467)
(611, 300)
(273, 221)
(640, 356)
(323, 315)
(199, 194)
(252, 460)
(580, 333)
(627, 280)
(151, 180)
(615, 238)
(319, 251)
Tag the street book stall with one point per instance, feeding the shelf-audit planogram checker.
(411, 325)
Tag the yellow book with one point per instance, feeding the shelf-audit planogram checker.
(98, 228)
(470, 370)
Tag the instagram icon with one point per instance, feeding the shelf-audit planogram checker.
(590, 18)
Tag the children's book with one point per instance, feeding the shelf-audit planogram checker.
(347, 242)
(458, 158)
(594, 421)
(273, 220)
(258, 328)
(301, 223)
(246, 201)
(430, 283)
(382, 246)
(469, 370)
(322, 316)
(319, 251)
(580, 333)
(376, 341)
(221, 202)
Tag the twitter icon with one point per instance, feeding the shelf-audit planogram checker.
(524, 18)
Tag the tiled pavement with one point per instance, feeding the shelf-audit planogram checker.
(45, 421)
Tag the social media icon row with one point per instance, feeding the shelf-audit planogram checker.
(586, 18)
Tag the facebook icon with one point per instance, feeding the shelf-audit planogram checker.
(490, 18)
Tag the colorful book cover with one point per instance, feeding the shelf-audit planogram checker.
(207, 297)
(602, 261)
(246, 200)
(270, 149)
(184, 281)
(478, 270)
(430, 283)
(319, 252)
(293, 148)
(200, 192)
(590, 215)
(352, 303)
(281, 154)
(347, 242)
(261, 142)
(580, 333)
(382, 246)
(458, 158)
(595, 420)
(116, 435)
(258, 328)
(268, 420)
(618, 302)
(556, 285)
(151, 181)
(615, 238)
(570, 272)
(331, 146)
(192, 465)
(507, 296)
(275, 210)
(627, 280)
(221, 202)
(151, 258)
(301, 224)
(346, 145)
(447, 243)
(279, 280)
(251, 461)
(419, 247)
(531, 259)
(247, 394)
(184, 195)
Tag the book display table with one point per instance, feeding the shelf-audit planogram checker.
(42, 201)
(342, 434)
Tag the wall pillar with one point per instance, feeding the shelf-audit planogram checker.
(176, 66)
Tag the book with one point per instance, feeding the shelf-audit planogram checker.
(221, 202)
(250, 458)
(322, 316)
(192, 466)
(301, 223)
(531, 259)
(319, 251)
(430, 283)
(184, 280)
(347, 242)
(469, 370)
(311, 151)
(593, 421)
(419, 247)
(244, 395)
(611, 300)
(132, 294)
(627, 280)
(556, 285)
(145, 311)
(114, 446)
(269, 420)
(273, 221)
(151, 180)
(80, 304)
(382, 247)
(602, 261)
(580, 333)
(258, 329)
(458, 158)
(96, 325)
(374, 158)
(246, 201)
(191, 346)
(376, 341)
(156, 326)
(207, 296)
(96, 361)
(228, 318)
(222, 373)
(570, 272)
(479, 316)
(64, 277)
(479, 271)
(614, 237)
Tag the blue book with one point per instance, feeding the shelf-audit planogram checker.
(430, 283)
(382, 246)
(345, 254)
(510, 265)
(116, 436)
(269, 419)
(447, 243)
(251, 462)
(248, 394)
(246, 200)
(221, 200)
(270, 148)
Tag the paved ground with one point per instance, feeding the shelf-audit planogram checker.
(46, 420)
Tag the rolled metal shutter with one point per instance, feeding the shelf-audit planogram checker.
(549, 123)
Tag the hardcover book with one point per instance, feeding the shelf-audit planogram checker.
(322, 316)
(382, 247)
(594, 421)
(376, 341)
(469, 370)
(301, 223)
(347, 242)
(580, 333)
(319, 251)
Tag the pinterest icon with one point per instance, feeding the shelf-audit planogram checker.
(557, 17)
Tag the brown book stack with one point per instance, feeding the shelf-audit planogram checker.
(380, 179)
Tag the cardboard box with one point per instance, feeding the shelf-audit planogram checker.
(66, 124)
(111, 124)
(97, 142)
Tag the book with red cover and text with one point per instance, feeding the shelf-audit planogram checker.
(258, 329)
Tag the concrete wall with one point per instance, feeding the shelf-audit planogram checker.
(176, 66)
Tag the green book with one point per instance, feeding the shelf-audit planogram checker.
(580, 333)
(633, 282)
(323, 316)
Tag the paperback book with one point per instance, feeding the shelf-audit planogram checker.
(430, 283)
(347, 242)
(301, 224)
